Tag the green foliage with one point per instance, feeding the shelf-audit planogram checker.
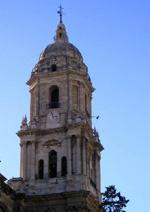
(113, 201)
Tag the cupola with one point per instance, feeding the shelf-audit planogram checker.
(61, 34)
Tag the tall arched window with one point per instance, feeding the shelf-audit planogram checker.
(54, 97)
(63, 166)
(52, 164)
(41, 169)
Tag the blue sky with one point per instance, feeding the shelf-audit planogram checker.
(113, 37)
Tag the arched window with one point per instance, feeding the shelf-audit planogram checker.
(41, 169)
(63, 166)
(52, 164)
(54, 97)
(53, 68)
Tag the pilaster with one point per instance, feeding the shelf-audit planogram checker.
(78, 154)
(33, 160)
(58, 164)
(46, 162)
(97, 171)
(69, 155)
(84, 156)
(24, 160)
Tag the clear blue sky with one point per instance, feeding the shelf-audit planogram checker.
(113, 37)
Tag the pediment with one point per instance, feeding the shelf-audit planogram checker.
(52, 142)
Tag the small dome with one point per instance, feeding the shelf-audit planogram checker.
(60, 48)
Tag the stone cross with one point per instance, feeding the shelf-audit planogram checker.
(60, 13)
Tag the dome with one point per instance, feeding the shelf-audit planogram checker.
(60, 48)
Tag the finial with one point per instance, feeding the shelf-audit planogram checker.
(60, 13)
(24, 121)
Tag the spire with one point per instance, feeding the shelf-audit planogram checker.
(61, 34)
(60, 13)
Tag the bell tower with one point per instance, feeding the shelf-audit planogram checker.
(60, 152)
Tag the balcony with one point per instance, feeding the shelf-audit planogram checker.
(53, 105)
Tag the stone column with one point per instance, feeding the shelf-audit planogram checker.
(58, 164)
(70, 94)
(69, 156)
(79, 96)
(99, 180)
(78, 155)
(21, 159)
(33, 160)
(88, 161)
(84, 156)
(46, 155)
(37, 100)
(24, 160)
(96, 171)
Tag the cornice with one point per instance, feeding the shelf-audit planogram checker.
(38, 76)
(84, 127)
(38, 132)
(99, 146)
(86, 131)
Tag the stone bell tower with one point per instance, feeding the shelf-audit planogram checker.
(60, 152)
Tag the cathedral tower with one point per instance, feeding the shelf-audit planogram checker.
(60, 152)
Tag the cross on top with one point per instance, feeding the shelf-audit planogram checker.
(60, 13)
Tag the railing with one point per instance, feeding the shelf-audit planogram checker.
(53, 105)
(92, 183)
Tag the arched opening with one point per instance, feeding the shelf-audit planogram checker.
(53, 68)
(54, 97)
(63, 166)
(41, 169)
(52, 164)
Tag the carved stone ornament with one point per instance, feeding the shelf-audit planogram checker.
(24, 121)
(52, 142)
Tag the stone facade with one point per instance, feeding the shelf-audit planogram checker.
(60, 152)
